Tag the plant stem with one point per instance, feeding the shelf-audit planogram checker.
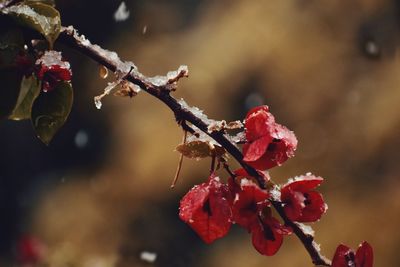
(71, 38)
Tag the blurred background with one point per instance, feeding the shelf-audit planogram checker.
(99, 195)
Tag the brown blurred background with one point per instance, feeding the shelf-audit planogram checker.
(99, 195)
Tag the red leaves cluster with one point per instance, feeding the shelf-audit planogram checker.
(52, 69)
(269, 144)
(345, 257)
(212, 207)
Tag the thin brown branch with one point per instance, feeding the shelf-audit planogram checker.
(9, 3)
(162, 90)
(178, 169)
(228, 170)
(308, 240)
(213, 160)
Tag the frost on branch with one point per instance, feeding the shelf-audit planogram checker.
(126, 88)
(169, 81)
(306, 229)
(195, 111)
(122, 67)
(213, 125)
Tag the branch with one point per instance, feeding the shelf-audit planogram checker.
(9, 3)
(161, 87)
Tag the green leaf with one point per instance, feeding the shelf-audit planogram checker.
(11, 42)
(30, 89)
(50, 111)
(40, 17)
(198, 149)
(10, 81)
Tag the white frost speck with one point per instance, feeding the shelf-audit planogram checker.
(158, 80)
(52, 58)
(170, 78)
(275, 193)
(239, 137)
(316, 246)
(122, 13)
(144, 31)
(244, 182)
(306, 229)
(148, 256)
(195, 110)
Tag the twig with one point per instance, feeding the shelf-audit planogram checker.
(178, 169)
(308, 240)
(70, 37)
(228, 170)
(212, 167)
(9, 3)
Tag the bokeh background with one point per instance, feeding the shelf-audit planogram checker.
(99, 195)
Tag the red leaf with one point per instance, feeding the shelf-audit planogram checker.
(302, 204)
(206, 209)
(269, 144)
(256, 149)
(304, 183)
(342, 253)
(258, 123)
(267, 236)
(364, 255)
(314, 208)
(294, 204)
(345, 257)
(248, 203)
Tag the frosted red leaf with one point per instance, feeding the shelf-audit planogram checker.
(302, 203)
(206, 209)
(269, 144)
(259, 122)
(248, 204)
